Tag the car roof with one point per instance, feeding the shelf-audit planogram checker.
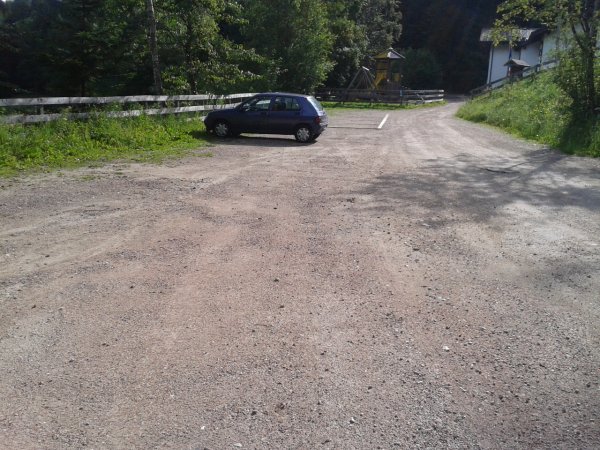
(290, 94)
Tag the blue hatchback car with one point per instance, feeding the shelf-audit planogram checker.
(271, 113)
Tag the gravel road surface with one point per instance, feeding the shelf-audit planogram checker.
(431, 284)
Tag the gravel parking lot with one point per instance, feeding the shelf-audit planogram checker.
(429, 284)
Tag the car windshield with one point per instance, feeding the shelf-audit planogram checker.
(315, 103)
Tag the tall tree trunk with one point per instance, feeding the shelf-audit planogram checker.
(189, 62)
(590, 81)
(589, 24)
(594, 19)
(153, 44)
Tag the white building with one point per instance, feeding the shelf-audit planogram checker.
(531, 47)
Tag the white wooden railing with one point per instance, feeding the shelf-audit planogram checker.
(35, 110)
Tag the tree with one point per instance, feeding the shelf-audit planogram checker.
(153, 46)
(349, 46)
(129, 69)
(78, 46)
(112, 47)
(198, 56)
(360, 29)
(25, 34)
(8, 51)
(294, 34)
(579, 72)
(421, 70)
(450, 29)
(382, 20)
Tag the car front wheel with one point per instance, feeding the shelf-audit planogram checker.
(303, 134)
(221, 129)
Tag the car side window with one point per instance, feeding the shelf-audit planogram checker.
(286, 104)
(257, 104)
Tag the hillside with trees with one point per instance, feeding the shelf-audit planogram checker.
(127, 47)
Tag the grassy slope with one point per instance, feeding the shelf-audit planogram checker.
(537, 109)
(69, 144)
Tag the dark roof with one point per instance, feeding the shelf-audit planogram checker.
(517, 63)
(520, 38)
(390, 54)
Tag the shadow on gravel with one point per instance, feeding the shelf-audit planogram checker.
(258, 141)
(477, 187)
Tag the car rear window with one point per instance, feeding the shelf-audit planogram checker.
(315, 103)
(286, 104)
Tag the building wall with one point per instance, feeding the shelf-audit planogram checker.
(551, 42)
(530, 53)
(498, 57)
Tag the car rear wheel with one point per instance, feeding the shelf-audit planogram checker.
(303, 134)
(221, 129)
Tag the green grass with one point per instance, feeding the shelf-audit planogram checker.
(64, 143)
(537, 109)
(382, 106)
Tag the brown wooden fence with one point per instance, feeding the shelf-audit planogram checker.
(401, 96)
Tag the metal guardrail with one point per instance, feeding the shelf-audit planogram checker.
(167, 105)
(401, 96)
(529, 72)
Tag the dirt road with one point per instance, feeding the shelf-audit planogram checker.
(432, 284)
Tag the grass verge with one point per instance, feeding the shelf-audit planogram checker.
(64, 143)
(537, 109)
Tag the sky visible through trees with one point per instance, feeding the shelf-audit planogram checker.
(105, 47)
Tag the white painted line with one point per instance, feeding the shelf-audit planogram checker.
(383, 122)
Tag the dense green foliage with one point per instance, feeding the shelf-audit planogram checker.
(295, 36)
(349, 45)
(581, 84)
(449, 30)
(93, 47)
(421, 70)
(538, 109)
(65, 143)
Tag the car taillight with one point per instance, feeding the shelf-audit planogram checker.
(317, 120)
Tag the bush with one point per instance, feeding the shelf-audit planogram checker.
(537, 109)
(571, 75)
(65, 143)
